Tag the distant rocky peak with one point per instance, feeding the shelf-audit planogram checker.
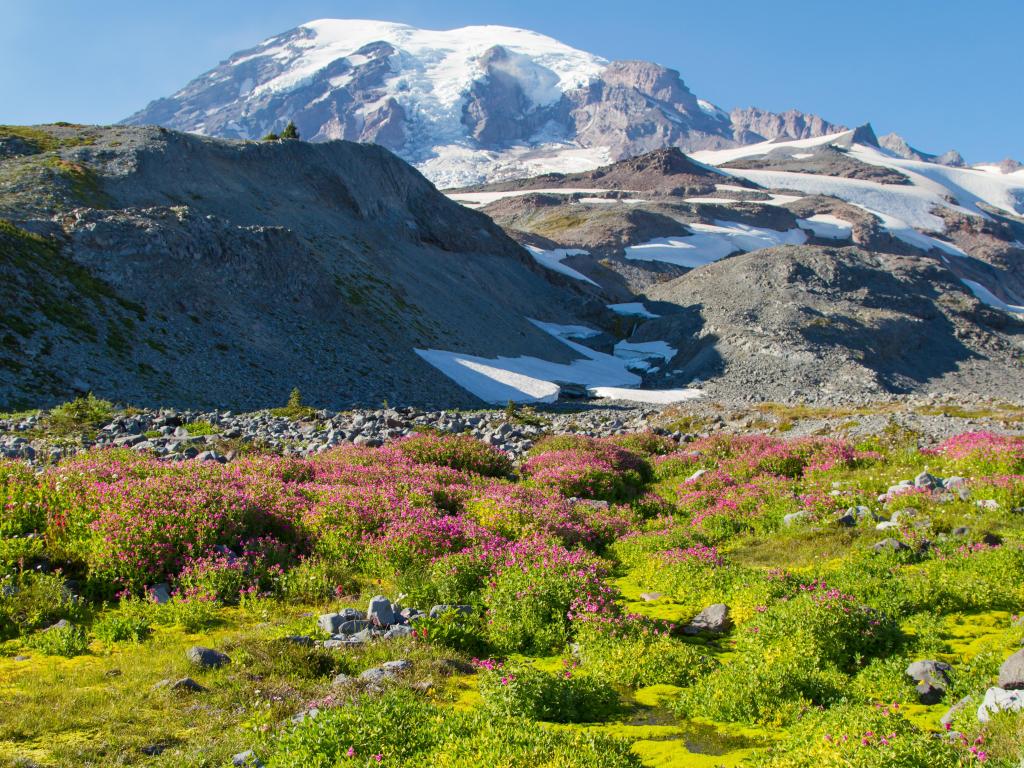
(899, 147)
(658, 82)
(752, 124)
(1009, 165)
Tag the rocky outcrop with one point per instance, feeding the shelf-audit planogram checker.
(752, 125)
(814, 320)
(899, 146)
(636, 106)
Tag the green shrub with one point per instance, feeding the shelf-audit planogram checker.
(282, 658)
(636, 654)
(200, 428)
(68, 640)
(317, 579)
(31, 600)
(452, 629)
(822, 625)
(527, 608)
(82, 415)
(771, 688)
(409, 732)
(294, 409)
(191, 615)
(645, 443)
(456, 579)
(118, 627)
(22, 503)
(521, 690)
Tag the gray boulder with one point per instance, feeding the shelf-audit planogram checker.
(380, 611)
(353, 626)
(889, 545)
(184, 685)
(1011, 673)
(794, 518)
(389, 670)
(159, 593)
(207, 657)
(953, 711)
(1000, 700)
(932, 678)
(713, 620)
(331, 622)
(246, 759)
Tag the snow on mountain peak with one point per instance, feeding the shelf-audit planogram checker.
(443, 63)
(465, 105)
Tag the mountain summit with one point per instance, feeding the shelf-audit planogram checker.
(467, 105)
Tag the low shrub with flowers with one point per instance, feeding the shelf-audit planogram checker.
(452, 629)
(796, 653)
(1007, 491)
(22, 502)
(565, 696)
(456, 451)
(824, 624)
(529, 597)
(698, 575)
(855, 735)
(588, 468)
(982, 453)
(517, 511)
(768, 689)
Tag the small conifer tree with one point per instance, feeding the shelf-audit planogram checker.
(290, 131)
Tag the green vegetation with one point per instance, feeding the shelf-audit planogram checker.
(80, 416)
(576, 574)
(295, 409)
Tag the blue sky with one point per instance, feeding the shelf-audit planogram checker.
(943, 73)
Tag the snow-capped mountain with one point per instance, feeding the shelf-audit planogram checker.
(465, 105)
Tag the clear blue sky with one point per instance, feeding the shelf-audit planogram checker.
(944, 73)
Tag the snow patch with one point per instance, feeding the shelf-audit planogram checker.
(711, 243)
(652, 396)
(985, 296)
(567, 331)
(480, 199)
(492, 384)
(632, 309)
(553, 260)
(826, 226)
(531, 379)
(645, 350)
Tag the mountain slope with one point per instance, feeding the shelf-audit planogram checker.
(827, 266)
(173, 269)
(465, 105)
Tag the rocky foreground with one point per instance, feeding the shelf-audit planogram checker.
(200, 435)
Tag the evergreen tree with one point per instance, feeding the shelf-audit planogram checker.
(290, 131)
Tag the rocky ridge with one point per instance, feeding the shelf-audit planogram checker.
(156, 267)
